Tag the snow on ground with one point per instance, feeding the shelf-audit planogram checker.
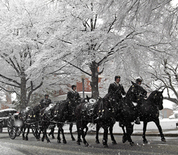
(168, 126)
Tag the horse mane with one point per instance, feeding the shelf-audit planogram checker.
(151, 96)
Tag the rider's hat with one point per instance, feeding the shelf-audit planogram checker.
(73, 86)
(117, 77)
(46, 94)
(138, 80)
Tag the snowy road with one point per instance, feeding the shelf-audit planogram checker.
(34, 147)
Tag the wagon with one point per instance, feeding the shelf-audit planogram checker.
(16, 124)
(7, 117)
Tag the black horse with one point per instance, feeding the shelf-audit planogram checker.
(149, 111)
(37, 119)
(46, 116)
(64, 112)
(84, 115)
(128, 112)
(29, 118)
(124, 112)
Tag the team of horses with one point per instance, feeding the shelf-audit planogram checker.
(104, 113)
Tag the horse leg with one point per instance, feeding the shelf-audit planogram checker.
(58, 133)
(129, 130)
(63, 136)
(28, 130)
(39, 132)
(124, 138)
(52, 132)
(86, 130)
(70, 129)
(105, 136)
(144, 131)
(46, 135)
(78, 133)
(43, 132)
(111, 133)
(160, 130)
(97, 133)
(23, 132)
(84, 134)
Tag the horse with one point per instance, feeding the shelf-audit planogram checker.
(36, 118)
(127, 113)
(29, 118)
(46, 116)
(124, 112)
(84, 115)
(149, 111)
(64, 112)
(52, 127)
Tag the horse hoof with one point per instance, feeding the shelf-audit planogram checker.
(86, 144)
(163, 139)
(97, 142)
(114, 142)
(106, 146)
(48, 141)
(124, 139)
(73, 139)
(145, 141)
(131, 143)
(78, 142)
(58, 141)
(26, 139)
(64, 141)
(42, 140)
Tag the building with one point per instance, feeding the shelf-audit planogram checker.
(166, 113)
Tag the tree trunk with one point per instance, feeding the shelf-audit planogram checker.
(94, 79)
(23, 95)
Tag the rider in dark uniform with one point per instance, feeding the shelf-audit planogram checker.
(116, 90)
(139, 82)
(45, 102)
(73, 96)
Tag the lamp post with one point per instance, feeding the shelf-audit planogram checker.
(83, 88)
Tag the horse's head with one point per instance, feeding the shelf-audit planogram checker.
(156, 98)
(136, 92)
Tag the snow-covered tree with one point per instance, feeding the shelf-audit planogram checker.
(18, 45)
(96, 32)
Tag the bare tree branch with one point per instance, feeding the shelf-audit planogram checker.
(9, 79)
(77, 68)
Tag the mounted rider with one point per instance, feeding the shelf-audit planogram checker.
(45, 102)
(73, 97)
(142, 96)
(116, 90)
